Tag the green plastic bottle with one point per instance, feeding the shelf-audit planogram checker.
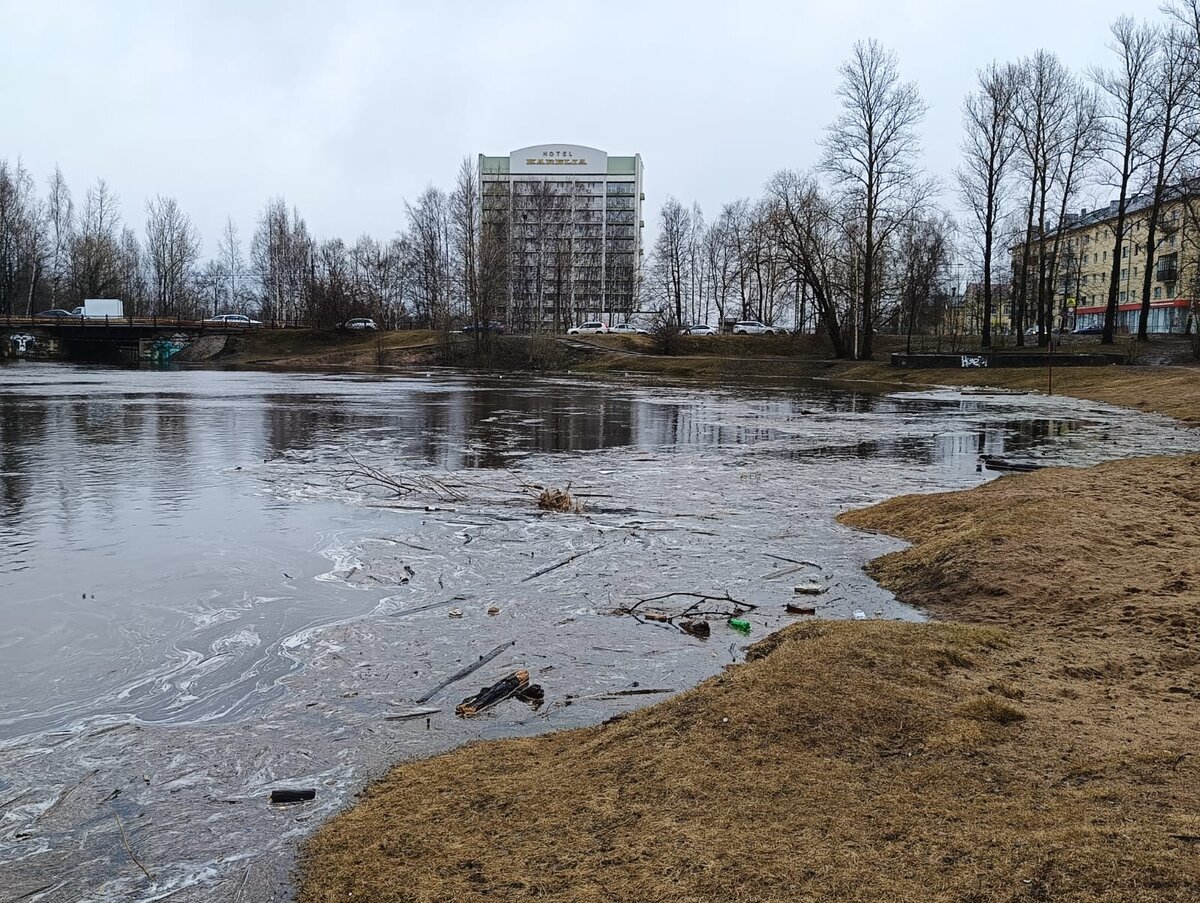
(739, 624)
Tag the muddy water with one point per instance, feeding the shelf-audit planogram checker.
(201, 597)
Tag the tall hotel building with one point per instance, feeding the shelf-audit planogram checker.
(571, 219)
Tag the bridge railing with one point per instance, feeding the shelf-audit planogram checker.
(155, 322)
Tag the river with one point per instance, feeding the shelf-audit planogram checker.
(204, 595)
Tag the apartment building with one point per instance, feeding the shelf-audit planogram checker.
(1078, 282)
(571, 219)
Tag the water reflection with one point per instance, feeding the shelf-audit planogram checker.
(77, 444)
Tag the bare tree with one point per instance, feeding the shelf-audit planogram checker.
(232, 264)
(465, 225)
(924, 246)
(871, 150)
(988, 147)
(1043, 102)
(669, 268)
(1128, 119)
(429, 235)
(60, 216)
(131, 273)
(1173, 132)
(172, 249)
(720, 263)
(1080, 149)
(95, 246)
(282, 258)
(812, 236)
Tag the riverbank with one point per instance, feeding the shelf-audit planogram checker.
(1038, 746)
(1170, 386)
(1173, 390)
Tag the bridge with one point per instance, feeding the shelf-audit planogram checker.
(112, 339)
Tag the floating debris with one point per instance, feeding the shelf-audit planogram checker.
(809, 589)
(514, 684)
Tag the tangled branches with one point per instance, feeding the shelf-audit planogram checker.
(723, 606)
(363, 476)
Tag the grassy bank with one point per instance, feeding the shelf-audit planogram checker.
(322, 349)
(1171, 390)
(1171, 387)
(1038, 744)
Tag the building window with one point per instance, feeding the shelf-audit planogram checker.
(1157, 292)
(1123, 296)
(1125, 251)
(1124, 274)
(1135, 273)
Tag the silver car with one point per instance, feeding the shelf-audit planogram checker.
(590, 328)
(233, 320)
(752, 327)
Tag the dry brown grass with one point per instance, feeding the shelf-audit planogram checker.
(1174, 390)
(328, 349)
(560, 500)
(1041, 748)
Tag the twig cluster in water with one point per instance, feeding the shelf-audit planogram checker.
(361, 476)
(730, 607)
(561, 500)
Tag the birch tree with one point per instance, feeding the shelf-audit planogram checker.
(1172, 132)
(872, 150)
(1127, 118)
(989, 143)
(172, 250)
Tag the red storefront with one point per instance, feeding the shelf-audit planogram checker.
(1168, 315)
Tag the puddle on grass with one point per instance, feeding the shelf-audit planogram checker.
(202, 603)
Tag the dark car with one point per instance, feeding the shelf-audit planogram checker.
(57, 312)
(1088, 330)
(490, 326)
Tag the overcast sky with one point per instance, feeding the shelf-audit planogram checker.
(348, 109)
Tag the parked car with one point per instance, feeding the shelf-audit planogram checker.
(700, 329)
(489, 326)
(361, 323)
(629, 329)
(232, 320)
(55, 313)
(752, 327)
(1088, 330)
(590, 328)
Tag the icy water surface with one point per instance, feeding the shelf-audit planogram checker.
(200, 600)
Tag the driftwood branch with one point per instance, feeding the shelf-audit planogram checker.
(557, 565)
(129, 849)
(465, 671)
